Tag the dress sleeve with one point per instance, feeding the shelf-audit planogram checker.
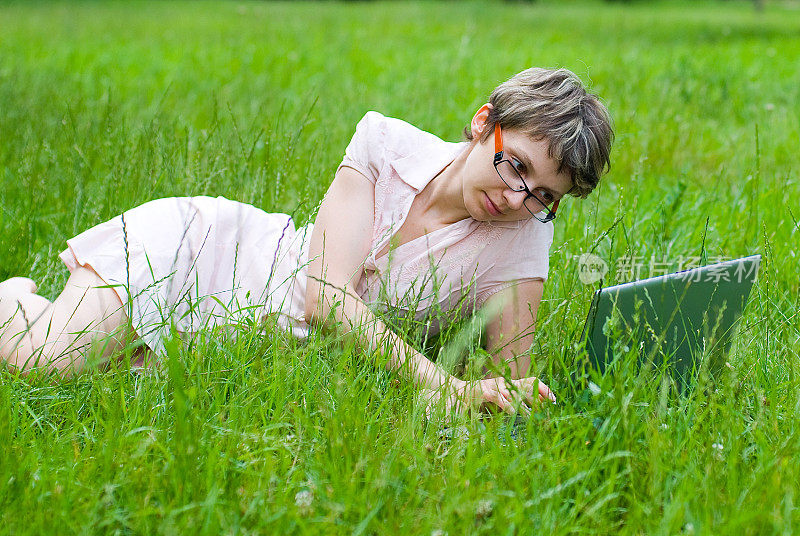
(366, 152)
(523, 256)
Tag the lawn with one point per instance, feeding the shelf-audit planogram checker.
(104, 106)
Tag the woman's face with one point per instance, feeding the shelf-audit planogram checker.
(488, 198)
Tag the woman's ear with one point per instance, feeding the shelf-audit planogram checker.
(479, 120)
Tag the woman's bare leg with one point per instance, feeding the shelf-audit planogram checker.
(86, 320)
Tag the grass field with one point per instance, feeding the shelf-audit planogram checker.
(104, 106)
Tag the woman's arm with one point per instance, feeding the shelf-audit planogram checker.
(339, 245)
(510, 332)
(509, 336)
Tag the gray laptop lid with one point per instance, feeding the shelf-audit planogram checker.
(675, 317)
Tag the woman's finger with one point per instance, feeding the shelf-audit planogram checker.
(546, 393)
(505, 401)
(524, 389)
(520, 402)
(492, 395)
(531, 384)
(508, 407)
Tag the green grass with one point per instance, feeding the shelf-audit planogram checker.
(105, 106)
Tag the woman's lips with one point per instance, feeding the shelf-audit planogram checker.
(491, 207)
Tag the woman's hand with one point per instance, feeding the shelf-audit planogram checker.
(509, 396)
(490, 394)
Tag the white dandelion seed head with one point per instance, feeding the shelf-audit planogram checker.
(485, 508)
(303, 499)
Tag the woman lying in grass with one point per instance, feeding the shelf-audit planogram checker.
(408, 216)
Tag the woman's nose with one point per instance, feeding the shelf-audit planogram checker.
(514, 199)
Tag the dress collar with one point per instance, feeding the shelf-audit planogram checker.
(418, 168)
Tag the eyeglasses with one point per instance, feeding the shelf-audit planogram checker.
(510, 176)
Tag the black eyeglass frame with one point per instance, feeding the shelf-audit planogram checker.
(498, 159)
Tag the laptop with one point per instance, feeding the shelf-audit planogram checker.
(675, 320)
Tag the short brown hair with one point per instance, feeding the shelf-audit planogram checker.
(554, 105)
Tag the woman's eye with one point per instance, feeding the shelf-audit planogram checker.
(519, 166)
(546, 196)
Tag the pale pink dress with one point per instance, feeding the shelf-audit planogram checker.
(197, 262)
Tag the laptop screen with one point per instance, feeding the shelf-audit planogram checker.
(678, 317)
